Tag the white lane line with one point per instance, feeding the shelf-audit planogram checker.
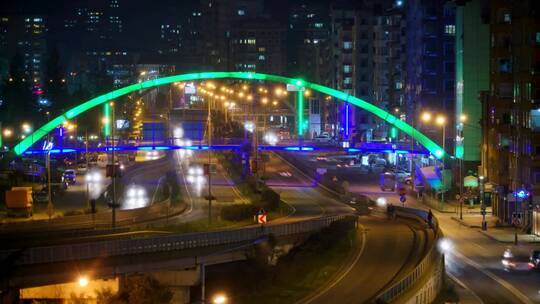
(518, 294)
(155, 191)
(346, 272)
(179, 162)
(458, 281)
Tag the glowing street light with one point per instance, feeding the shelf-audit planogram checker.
(219, 299)
(381, 202)
(426, 117)
(463, 118)
(26, 128)
(7, 132)
(440, 120)
(83, 281)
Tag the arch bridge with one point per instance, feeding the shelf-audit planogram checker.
(301, 84)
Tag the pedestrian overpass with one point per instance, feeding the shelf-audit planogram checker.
(432, 147)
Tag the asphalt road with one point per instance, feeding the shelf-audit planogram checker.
(388, 250)
(475, 259)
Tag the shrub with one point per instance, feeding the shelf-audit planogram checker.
(237, 212)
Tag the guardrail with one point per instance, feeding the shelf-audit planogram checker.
(433, 256)
(61, 253)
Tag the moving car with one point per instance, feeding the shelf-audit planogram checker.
(70, 176)
(534, 260)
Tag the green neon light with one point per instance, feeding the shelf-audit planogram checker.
(107, 115)
(391, 119)
(393, 133)
(300, 111)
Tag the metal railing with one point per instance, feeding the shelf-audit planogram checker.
(90, 250)
(433, 256)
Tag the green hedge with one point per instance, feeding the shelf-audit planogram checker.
(237, 212)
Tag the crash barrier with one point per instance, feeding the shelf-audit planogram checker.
(91, 250)
(432, 265)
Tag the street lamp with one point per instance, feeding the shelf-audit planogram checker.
(426, 117)
(26, 128)
(7, 132)
(219, 299)
(460, 138)
(481, 185)
(83, 281)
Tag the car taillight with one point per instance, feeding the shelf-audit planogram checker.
(531, 265)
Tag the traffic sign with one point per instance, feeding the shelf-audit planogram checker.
(402, 191)
(261, 217)
(403, 198)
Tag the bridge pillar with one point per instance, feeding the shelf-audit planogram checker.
(300, 116)
(179, 282)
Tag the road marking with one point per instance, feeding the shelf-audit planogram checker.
(346, 272)
(458, 281)
(155, 191)
(179, 162)
(518, 294)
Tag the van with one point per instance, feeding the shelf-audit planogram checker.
(388, 181)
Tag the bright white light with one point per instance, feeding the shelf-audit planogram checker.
(219, 299)
(445, 245)
(199, 171)
(135, 198)
(249, 126)
(191, 171)
(271, 138)
(178, 132)
(83, 281)
(381, 202)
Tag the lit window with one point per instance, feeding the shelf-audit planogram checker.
(537, 37)
(347, 45)
(241, 12)
(310, 15)
(262, 57)
(450, 29)
(507, 18)
(346, 69)
(399, 85)
(347, 80)
(318, 25)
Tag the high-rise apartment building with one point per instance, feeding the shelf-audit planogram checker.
(431, 63)
(510, 119)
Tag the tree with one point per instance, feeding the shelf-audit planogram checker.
(138, 290)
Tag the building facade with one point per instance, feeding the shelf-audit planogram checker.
(511, 129)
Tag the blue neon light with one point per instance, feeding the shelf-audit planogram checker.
(347, 106)
(220, 147)
(522, 193)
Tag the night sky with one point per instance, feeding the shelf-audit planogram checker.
(141, 18)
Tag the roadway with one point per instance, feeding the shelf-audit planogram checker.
(475, 260)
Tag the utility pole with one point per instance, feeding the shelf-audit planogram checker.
(209, 163)
(87, 168)
(50, 207)
(113, 177)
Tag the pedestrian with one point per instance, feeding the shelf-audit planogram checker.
(430, 219)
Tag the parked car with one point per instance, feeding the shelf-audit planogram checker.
(388, 181)
(70, 176)
(82, 168)
(323, 139)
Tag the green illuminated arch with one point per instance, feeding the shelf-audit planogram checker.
(391, 119)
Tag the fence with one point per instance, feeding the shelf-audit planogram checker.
(61, 253)
(433, 258)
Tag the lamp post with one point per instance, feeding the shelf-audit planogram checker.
(462, 120)
(481, 185)
(440, 120)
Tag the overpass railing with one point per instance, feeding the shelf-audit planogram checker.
(434, 259)
(91, 250)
